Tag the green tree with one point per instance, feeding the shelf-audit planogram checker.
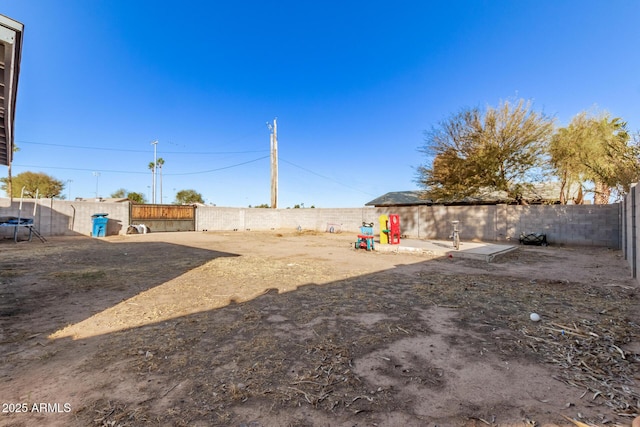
(119, 193)
(136, 197)
(131, 195)
(46, 186)
(159, 164)
(596, 149)
(186, 197)
(474, 152)
(152, 168)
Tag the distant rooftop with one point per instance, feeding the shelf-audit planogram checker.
(400, 198)
(547, 193)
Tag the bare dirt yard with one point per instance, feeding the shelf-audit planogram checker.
(300, 329)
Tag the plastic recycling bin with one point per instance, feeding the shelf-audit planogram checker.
(99, 224)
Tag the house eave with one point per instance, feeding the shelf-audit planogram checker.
(10, 56)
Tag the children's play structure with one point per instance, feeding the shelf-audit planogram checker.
(390, 229)
(365, 238)
(389, 232)
(20, 222)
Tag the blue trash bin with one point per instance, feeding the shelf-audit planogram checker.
(99, 224)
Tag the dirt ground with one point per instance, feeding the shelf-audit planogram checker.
(300, 329)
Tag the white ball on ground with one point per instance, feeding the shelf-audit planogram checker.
(535, 317)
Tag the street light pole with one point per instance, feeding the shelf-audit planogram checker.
(155, 166)
(97, 175)
(69, 181)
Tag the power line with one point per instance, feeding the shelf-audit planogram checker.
(179, 152)
(78, 169)
(222, 168)
(143, 173)
(125, 150)
(325, 177)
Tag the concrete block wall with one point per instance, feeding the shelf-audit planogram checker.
(630, 236)
(434, 222)
(59, 217)
(222, 219)
(571, 225)
(241, 219)
(586, 225)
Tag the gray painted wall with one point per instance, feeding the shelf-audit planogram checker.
(592, 225)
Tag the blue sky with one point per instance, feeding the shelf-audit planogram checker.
(353, 84)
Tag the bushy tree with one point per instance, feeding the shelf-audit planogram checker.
(186, 197)
(33, 182)
(596, 149)
(136, 197)
(474, 151)
(121, 193)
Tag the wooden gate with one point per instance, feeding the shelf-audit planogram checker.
(164, 217)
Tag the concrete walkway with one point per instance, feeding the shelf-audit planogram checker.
(472, 250)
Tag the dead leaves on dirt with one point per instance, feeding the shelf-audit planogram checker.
(583, 331)
(107, 413)
(589, 355)
(297, 349)
(294, 349)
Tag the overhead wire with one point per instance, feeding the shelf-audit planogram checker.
(127, 150)
(180, 152)
(324, 177)
(144, 173)
(218, 169)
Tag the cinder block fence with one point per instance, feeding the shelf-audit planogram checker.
(629, 218)
(590, 225)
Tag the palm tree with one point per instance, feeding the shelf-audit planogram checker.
(152, 168)
(159, 163)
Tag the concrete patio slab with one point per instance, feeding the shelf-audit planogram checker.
(471, 250)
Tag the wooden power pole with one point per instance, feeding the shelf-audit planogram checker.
(274, 164)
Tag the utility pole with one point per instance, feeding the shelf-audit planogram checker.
(274, 163)
(155, 165)
(97, 175)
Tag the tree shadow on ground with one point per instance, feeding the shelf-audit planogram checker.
(85, 276)
(406, 345)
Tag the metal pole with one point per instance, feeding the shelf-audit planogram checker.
(97, 175)
(275, 140)
(274, 165)
(155, 165)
